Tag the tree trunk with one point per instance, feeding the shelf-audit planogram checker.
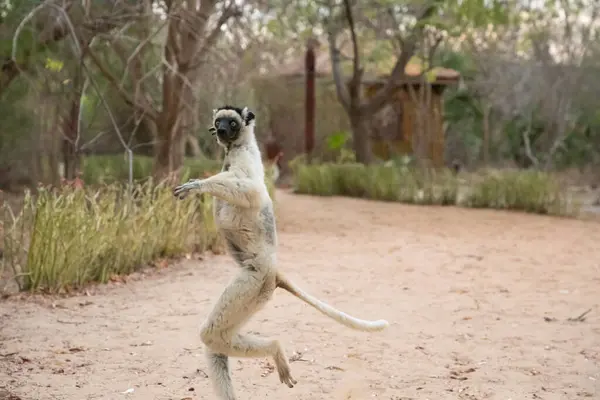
(360, 138)
(167, 159)
(169, 151)
(70, 152)
(486, 135)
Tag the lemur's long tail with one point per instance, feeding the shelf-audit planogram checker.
(339, 316)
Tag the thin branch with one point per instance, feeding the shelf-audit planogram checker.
(341, 89)
(32, 14)
(113, 120)
(208, 43)
(357, 71)
(527, 142)
(382, 96)
(140, 46)
(115, 84)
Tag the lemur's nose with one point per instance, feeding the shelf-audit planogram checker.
(221, 131)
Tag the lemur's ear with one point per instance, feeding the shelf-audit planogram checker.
(247, 115)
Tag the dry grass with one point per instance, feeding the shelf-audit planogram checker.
(67, 237)
(63, 238)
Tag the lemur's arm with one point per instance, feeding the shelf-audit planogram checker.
(242, 192)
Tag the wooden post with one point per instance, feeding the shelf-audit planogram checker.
(309, 103)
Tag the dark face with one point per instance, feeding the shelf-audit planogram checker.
(228, 129)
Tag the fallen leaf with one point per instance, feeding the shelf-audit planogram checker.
(76, 349)
(128, 391)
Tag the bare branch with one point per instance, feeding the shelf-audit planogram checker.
(54, 32)
(340, 88)
(115, 84)
(208, 43)
(527, 142)
(32, 14)
(397, 74)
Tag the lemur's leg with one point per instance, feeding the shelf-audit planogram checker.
(218, 365)
(239, 301)
(225, 185)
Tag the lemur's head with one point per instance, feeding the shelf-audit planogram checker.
(231, 124)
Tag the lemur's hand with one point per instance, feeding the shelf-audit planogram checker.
(182, 191)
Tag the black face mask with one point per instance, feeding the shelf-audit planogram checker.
(227, 129)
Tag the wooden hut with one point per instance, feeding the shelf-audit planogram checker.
(412, 123)
(280, 97)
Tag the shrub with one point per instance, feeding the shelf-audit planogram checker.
(529, 191)
(380, 182)
(67, 237)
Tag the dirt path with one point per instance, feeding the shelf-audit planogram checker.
(478, 301)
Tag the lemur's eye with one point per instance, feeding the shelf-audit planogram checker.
(217, 123)
(233, 124)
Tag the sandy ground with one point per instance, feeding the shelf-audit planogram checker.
(479, 303)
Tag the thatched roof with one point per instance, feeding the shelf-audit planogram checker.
(413, 72)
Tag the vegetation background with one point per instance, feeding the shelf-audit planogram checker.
(105, 104)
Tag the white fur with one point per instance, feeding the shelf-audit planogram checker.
(244, 215)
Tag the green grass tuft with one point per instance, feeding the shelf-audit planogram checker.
(528, 191)
(379, 182)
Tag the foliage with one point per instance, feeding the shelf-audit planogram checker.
(529, 191)
(106, 169)
(337, 140)
(337, 144)
(64, 238)
(377, 181)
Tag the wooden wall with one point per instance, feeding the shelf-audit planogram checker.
(420, 123)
